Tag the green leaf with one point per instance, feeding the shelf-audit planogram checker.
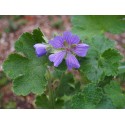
(113, 92)
(62, 66)
(91, 69)
(13, 65)
(98, 45)
(66, 85)
(78, 101)
(25, 68)
(105, 103)
(109, 62)
(24, 45)
(59, 103)
(121, 69)
(92, 93)
(88, 98)
(89, 26)
(102, 59)
(3, 79)
(105, 81)
(38, 35)
(44, 103)
(106, 65)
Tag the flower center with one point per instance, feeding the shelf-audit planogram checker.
(67, 46)
(67, 49)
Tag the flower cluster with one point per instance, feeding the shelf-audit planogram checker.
(67, 46)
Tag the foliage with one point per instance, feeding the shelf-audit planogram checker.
(88, 98)
(89, 26)
(3, 79)
(113, 92)
(26, 70)
(93, 85)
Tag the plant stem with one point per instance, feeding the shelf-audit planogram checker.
(51, 97)
(51, 91)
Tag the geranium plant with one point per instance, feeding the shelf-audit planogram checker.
(76, 69)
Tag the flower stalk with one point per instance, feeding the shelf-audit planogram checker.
(50, 90)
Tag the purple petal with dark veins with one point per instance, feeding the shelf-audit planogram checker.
(74, 39)
(67, 36)
(71, 61)
(57, 58)
(71, 39)
(40, 49)
(81, 49)
(57, 42)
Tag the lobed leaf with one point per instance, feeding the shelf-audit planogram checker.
(105, 103)
(44, 103)
(88, 98)
(102, 60)
(109, 62)
(98, 45)
(66, 84)
(113, 92)
(26, 70)
(89, 26)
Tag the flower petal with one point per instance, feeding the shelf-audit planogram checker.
(71, 61)
(40, 49)
(57, 42)
(67, 36)
(74, 39)
(57, 58)
(81, 49)
(71, 39)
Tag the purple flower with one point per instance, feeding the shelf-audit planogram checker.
(69, 46)
(40, 49)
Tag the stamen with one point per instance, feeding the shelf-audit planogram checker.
(73, 45)
(65, 44)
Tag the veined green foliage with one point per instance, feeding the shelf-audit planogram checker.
(93, 85)
(27, 70)
(88, 26)
(102, 59)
